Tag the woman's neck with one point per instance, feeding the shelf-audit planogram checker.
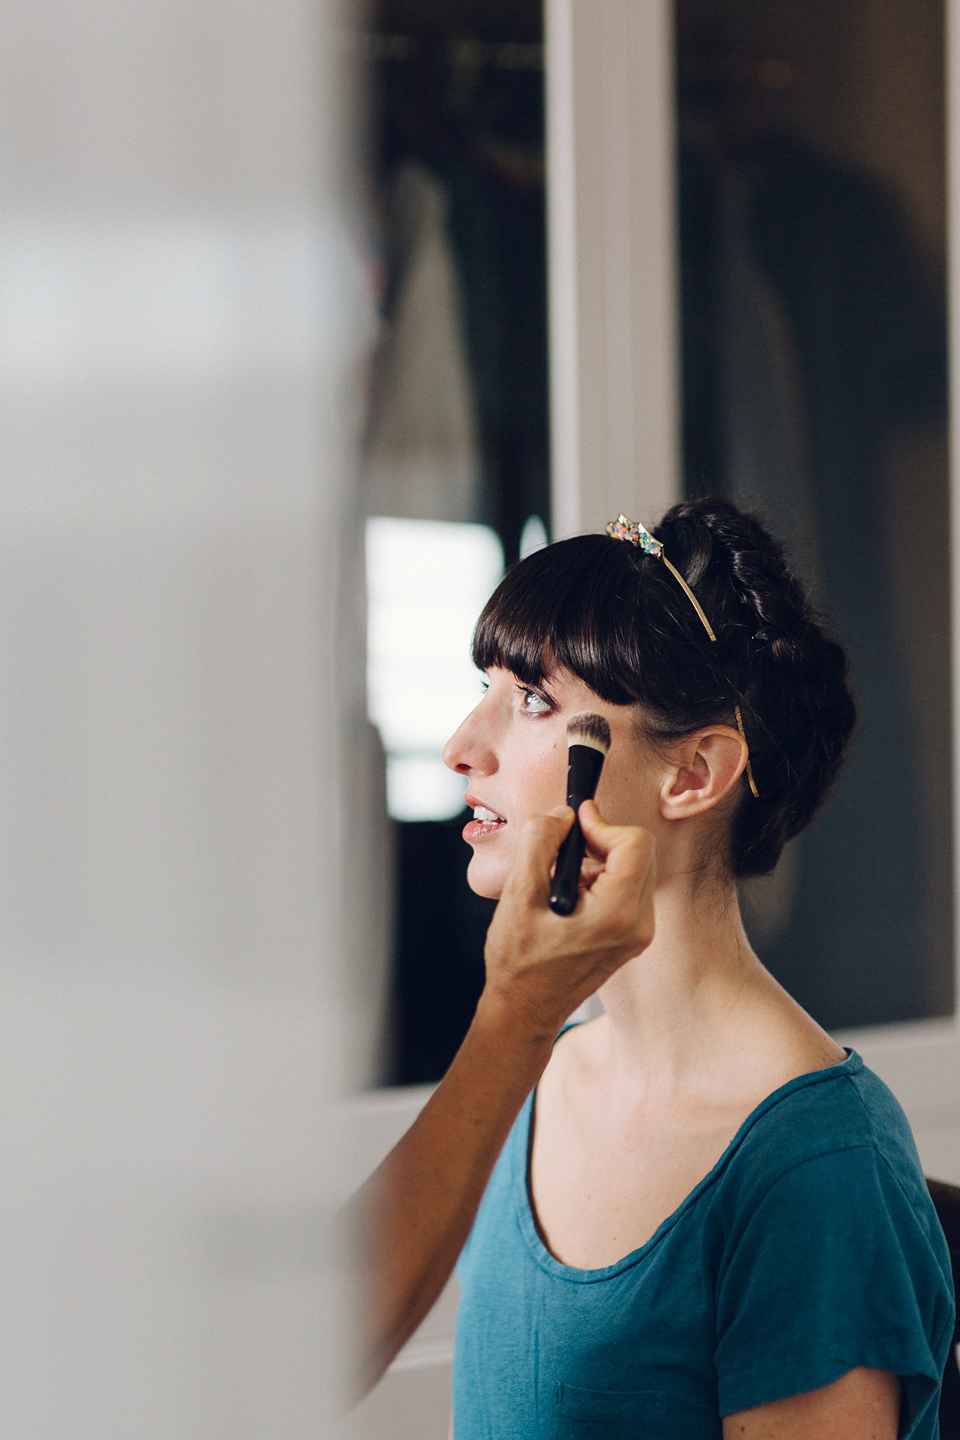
(697, 1009)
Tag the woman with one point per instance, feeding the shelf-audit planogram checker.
(709, 1219)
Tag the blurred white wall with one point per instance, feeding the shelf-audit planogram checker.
(176, 318)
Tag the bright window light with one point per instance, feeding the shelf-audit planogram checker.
(420, 787)
(533, 536)
(427, 581)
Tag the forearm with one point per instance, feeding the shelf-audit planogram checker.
(412, 1217)
(410, 1220)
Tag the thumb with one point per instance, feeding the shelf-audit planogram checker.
(540, 839)
(599, 835)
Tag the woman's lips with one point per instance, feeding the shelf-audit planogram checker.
(480, 829)
(485, 822)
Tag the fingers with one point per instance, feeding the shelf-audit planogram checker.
(540, 839)
(546, 962)
(627, 852)
(620, 894)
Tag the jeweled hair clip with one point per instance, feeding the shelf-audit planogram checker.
(636, 534)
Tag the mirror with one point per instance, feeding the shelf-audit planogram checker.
(813, 318)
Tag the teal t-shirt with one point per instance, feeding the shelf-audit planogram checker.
(811, 1247)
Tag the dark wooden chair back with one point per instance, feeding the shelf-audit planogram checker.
(946, 1199)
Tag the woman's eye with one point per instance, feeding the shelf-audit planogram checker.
(534, 704)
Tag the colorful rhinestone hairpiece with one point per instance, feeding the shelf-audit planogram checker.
(636, 534)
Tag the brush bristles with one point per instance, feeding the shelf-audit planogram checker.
(590, 730)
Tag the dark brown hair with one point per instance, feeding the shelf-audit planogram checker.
(617, 619)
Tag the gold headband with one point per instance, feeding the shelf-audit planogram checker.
(636, 534)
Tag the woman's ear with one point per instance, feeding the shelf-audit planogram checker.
(706, 767)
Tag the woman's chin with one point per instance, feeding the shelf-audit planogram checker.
(485, 879)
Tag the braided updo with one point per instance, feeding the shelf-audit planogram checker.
(617, 619)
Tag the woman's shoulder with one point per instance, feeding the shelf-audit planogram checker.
(830, 1112)
(826, 1244)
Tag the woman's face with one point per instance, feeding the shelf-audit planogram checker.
(513, 751)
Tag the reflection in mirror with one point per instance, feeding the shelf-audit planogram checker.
(812, 239)
(456, 468)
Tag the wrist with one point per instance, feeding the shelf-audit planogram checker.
(508, 1022)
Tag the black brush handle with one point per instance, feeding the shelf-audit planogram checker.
(583, 773)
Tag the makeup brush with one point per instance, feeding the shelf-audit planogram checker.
(588, 737)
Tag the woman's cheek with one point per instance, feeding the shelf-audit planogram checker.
(548, 783)
(617, 797)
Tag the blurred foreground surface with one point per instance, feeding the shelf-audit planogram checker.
(174, 340)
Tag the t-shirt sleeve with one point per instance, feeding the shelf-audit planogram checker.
(832, 1269)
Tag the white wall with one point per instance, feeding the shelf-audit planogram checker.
(174, 315)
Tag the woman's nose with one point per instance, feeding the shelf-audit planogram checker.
(468, 751)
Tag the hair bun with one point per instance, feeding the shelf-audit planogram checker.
(792, 675)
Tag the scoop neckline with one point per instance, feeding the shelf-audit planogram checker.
(572, 1273)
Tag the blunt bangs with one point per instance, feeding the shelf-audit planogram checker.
(579, 605)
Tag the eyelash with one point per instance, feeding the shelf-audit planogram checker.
(528, 694)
